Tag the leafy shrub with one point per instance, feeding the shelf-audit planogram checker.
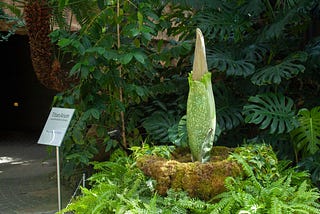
(268, 188)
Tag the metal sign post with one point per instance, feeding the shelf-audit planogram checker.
(53, 134)
(58, 177)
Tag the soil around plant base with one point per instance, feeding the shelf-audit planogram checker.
(201, 180)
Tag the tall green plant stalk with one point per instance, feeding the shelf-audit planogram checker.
(201, 113)
(123, 131)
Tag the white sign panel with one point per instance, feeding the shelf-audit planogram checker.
(56, 126)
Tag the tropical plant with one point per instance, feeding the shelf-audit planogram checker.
(123, 72)
(262, 55)
(306, 137)
(312, 165)
(201, 109)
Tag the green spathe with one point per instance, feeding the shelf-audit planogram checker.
(201, 117)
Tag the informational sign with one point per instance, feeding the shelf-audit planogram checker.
(56, 126)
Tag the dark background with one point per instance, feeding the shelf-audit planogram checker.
(18, 83)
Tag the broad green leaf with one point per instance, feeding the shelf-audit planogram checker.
(158, 125)
(271, 111)
(225, 63)
(307, 136)
(287, 69)
(75, 69)
(255, 52)
(277, 28)
(126, 58)
(63, 3)
(252, 8)
(99, 50)
(229, 111)
(64, 42)
(178, 133)
(139, 57)
(110, 55)
(223, 25)
(94, 113)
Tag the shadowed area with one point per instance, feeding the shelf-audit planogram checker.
(28, 182)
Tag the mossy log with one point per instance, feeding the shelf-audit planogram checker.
(201, 180)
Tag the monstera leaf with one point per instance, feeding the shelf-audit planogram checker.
(252, 7)
(224, 23)
(229, 109)
(285, 70)
(226, 63)
(178, 133)
(273, 111)
(158, 125)
(307, 136)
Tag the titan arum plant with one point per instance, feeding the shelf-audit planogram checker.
(201, 113)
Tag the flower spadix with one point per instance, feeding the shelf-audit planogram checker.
(201, 113)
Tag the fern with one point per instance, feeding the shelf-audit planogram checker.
(307, 136)
(285, 70)
(265, 193)
(273, 111)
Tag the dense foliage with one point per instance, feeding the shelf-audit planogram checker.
(262, 54)
(268, 186)
(132, 59)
